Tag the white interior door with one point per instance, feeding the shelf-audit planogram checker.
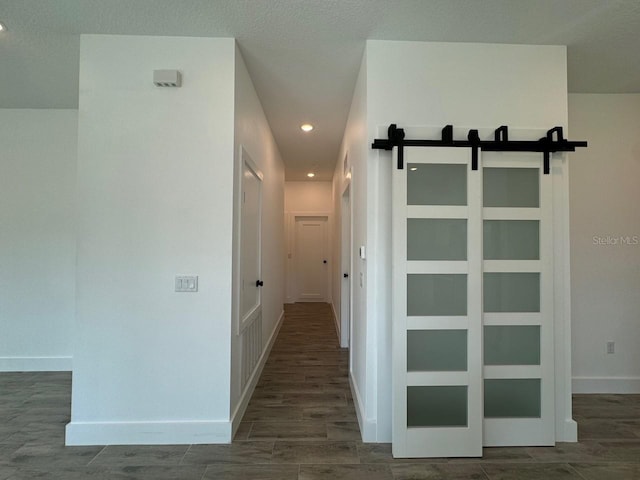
(472, 300)
(311, 258)
(436, 305)
(518, 327)
(345, 291)
(250, 242)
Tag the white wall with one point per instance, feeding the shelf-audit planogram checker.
(155, 200)
(355, 146)
(253, 133)
(605, 237)
(308, 197)
(431, 85)
(37, 238)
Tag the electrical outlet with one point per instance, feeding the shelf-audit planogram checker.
(611, 347)
(186, 283)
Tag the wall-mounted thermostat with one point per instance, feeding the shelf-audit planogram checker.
(167, 78)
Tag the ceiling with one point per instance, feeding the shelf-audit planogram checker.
(304, 55)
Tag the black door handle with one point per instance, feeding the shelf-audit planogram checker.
(345, 275)
(259, 283)
(324, 261)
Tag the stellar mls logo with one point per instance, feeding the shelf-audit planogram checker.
(618, 241)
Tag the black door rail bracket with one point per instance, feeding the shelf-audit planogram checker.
(501, 143)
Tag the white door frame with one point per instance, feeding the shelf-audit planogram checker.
(243, 323)
(346, 266)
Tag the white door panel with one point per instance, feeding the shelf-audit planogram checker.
(311, 259)
(437, 402)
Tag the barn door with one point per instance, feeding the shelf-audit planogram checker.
(472, 303)
(518, 301)
(437, 331)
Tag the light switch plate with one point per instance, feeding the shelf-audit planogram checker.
(186, 283)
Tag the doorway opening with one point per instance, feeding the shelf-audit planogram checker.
(345, 263)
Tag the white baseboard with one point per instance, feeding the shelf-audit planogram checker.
(169, 433)
(606, 385)
(367, 427)
(35, 364)
(238, 413)
(567, 431)
(147, 433)
(335, 320)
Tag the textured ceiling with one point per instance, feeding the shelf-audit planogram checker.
(304, 55)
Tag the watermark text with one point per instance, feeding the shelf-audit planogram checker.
(615, 240)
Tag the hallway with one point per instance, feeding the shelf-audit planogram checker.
(300, 425)
(303, 393)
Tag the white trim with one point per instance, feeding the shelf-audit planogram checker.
(425, 266)
(335, 318)
(507, 432)
(508, 213)
(501, 160)
(439, 211)
(508, 318)
(438, 379)
(36, 364)
(147, 433)
(295, 214)
(533, 266)
(438, 323)
(566, 427)
(241, 407)
(625, 385)
(566, 430)
(512, 371)
(367, 426)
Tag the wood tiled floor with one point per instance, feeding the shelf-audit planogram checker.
(300, 424)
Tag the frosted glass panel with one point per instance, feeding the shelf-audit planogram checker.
(436, 239)
(436, 184)
(511, 187)
(437, 350)
(511, 292)
(512, 398)
(512, 345)
(511, 239)
(437, 406)
(436, 294)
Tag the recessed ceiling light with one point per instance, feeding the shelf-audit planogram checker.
(307, 127)
(311, 174)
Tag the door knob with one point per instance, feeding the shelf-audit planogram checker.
(324, 261)
(345, 275)
(259, 283)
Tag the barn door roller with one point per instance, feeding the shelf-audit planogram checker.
(554, 141)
